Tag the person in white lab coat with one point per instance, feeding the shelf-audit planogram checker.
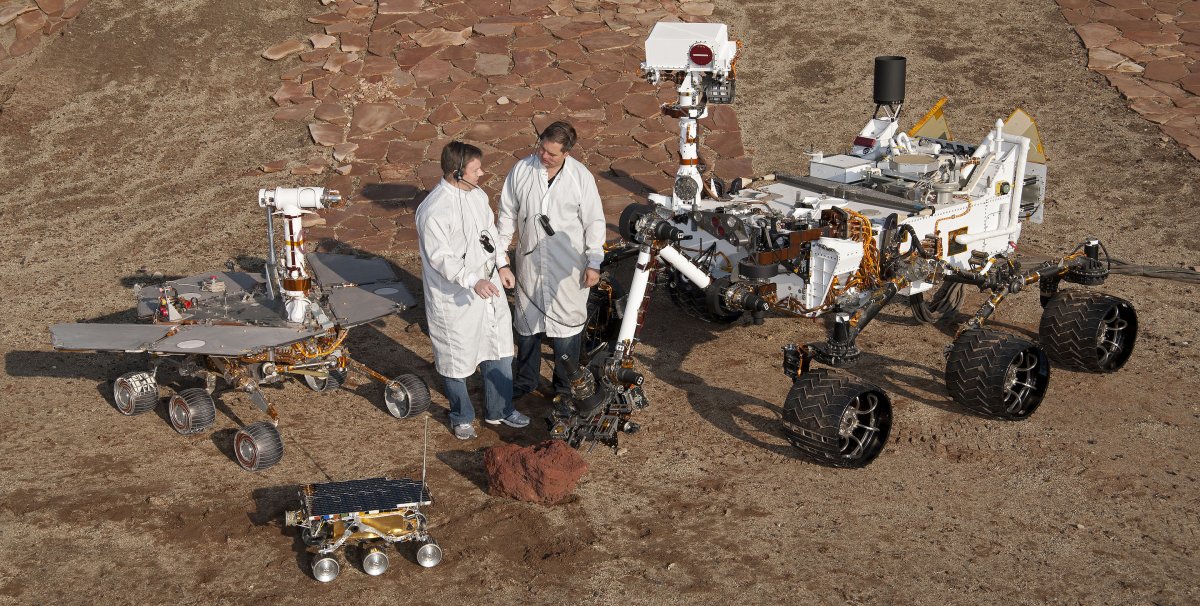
(469, 320)
(550, 202)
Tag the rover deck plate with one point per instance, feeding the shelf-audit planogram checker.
(106, 337)
(331, 270)
(358, 304)
(373, 494)
(229, 340)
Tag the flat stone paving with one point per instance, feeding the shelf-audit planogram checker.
(383, 85)
(24, 23)
(1150, 51)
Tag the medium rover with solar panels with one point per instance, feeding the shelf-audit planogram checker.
(251, 329)
(911, 213)
(368, 514)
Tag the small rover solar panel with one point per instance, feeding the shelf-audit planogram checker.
(372, 494)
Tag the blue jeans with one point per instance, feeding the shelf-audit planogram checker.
(497, 392)
(529, 362)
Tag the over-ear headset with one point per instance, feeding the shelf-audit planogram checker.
(462, 160)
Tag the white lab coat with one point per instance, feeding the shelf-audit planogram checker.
(550, 268)
(466, 329)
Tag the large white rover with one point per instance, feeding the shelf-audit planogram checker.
(911, 213)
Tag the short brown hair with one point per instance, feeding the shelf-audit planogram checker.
(559, 132)
(457, 154)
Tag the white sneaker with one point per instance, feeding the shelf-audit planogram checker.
(464, 431)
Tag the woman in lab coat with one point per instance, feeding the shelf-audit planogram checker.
(469, 320)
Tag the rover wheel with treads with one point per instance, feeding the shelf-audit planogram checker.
(997, 374)
(1088, 331)
(835, 420)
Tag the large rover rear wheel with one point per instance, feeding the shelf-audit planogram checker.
(1086, 331)
(336, 378)
(406, 396)
(258, 446)
(997, 374)
(835, 420)
(135, 393)
(191, 411)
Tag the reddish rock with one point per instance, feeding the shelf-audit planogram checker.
(382, 43)
(441, 37)
(495, 131)
(527, 62)
(423, 132)
(75, 8)
(602, 40)
(516, 94)
(12, 11)
(358, 13)
(274, 166)
(444, 113)
(296, 112)
(539, 41)
(54, 8)
(326, 134)
(630, 167)
(283, 49)
(338, 61)
(1153, 38)
(399, 7)
(29, 24)
(290, 92)
(370, 149)
(492, 65)
(559, 90)
(1165, 70)
(1097, 34)
(642, 106)
(353, 43)
(322, 40)
(408, 57)
(494, 29)
(374, 117)
(431, 70)
(545, 473)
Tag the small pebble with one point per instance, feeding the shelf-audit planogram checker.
(502, 101)
(671, 566)
(622, 451)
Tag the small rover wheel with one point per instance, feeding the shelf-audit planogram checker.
(258, 446)
(191, 411)
(835, 420)
(945, 301)
(336, 378)
(406, 396)
(325, 567)
(1086, 331)
(997, 374)
(135, 393)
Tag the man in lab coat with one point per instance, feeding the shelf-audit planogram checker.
(551, 203)
(469, 320)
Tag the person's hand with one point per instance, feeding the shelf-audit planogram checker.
(591, 277)
(507, 278)
(485, 289)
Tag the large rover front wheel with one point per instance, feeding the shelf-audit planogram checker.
(258, 446)
(997, 374)
(1092, 332)
(835, 420)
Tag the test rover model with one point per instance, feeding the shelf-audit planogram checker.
(251, 329)
(900, 213)
(368, 514)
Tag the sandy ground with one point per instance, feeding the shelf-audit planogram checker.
(123, 144)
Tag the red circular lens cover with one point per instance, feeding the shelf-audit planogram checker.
(700, 54)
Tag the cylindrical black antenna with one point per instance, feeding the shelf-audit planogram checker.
(889, 80)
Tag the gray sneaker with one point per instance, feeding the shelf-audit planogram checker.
(465, 431)
(514, 419)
